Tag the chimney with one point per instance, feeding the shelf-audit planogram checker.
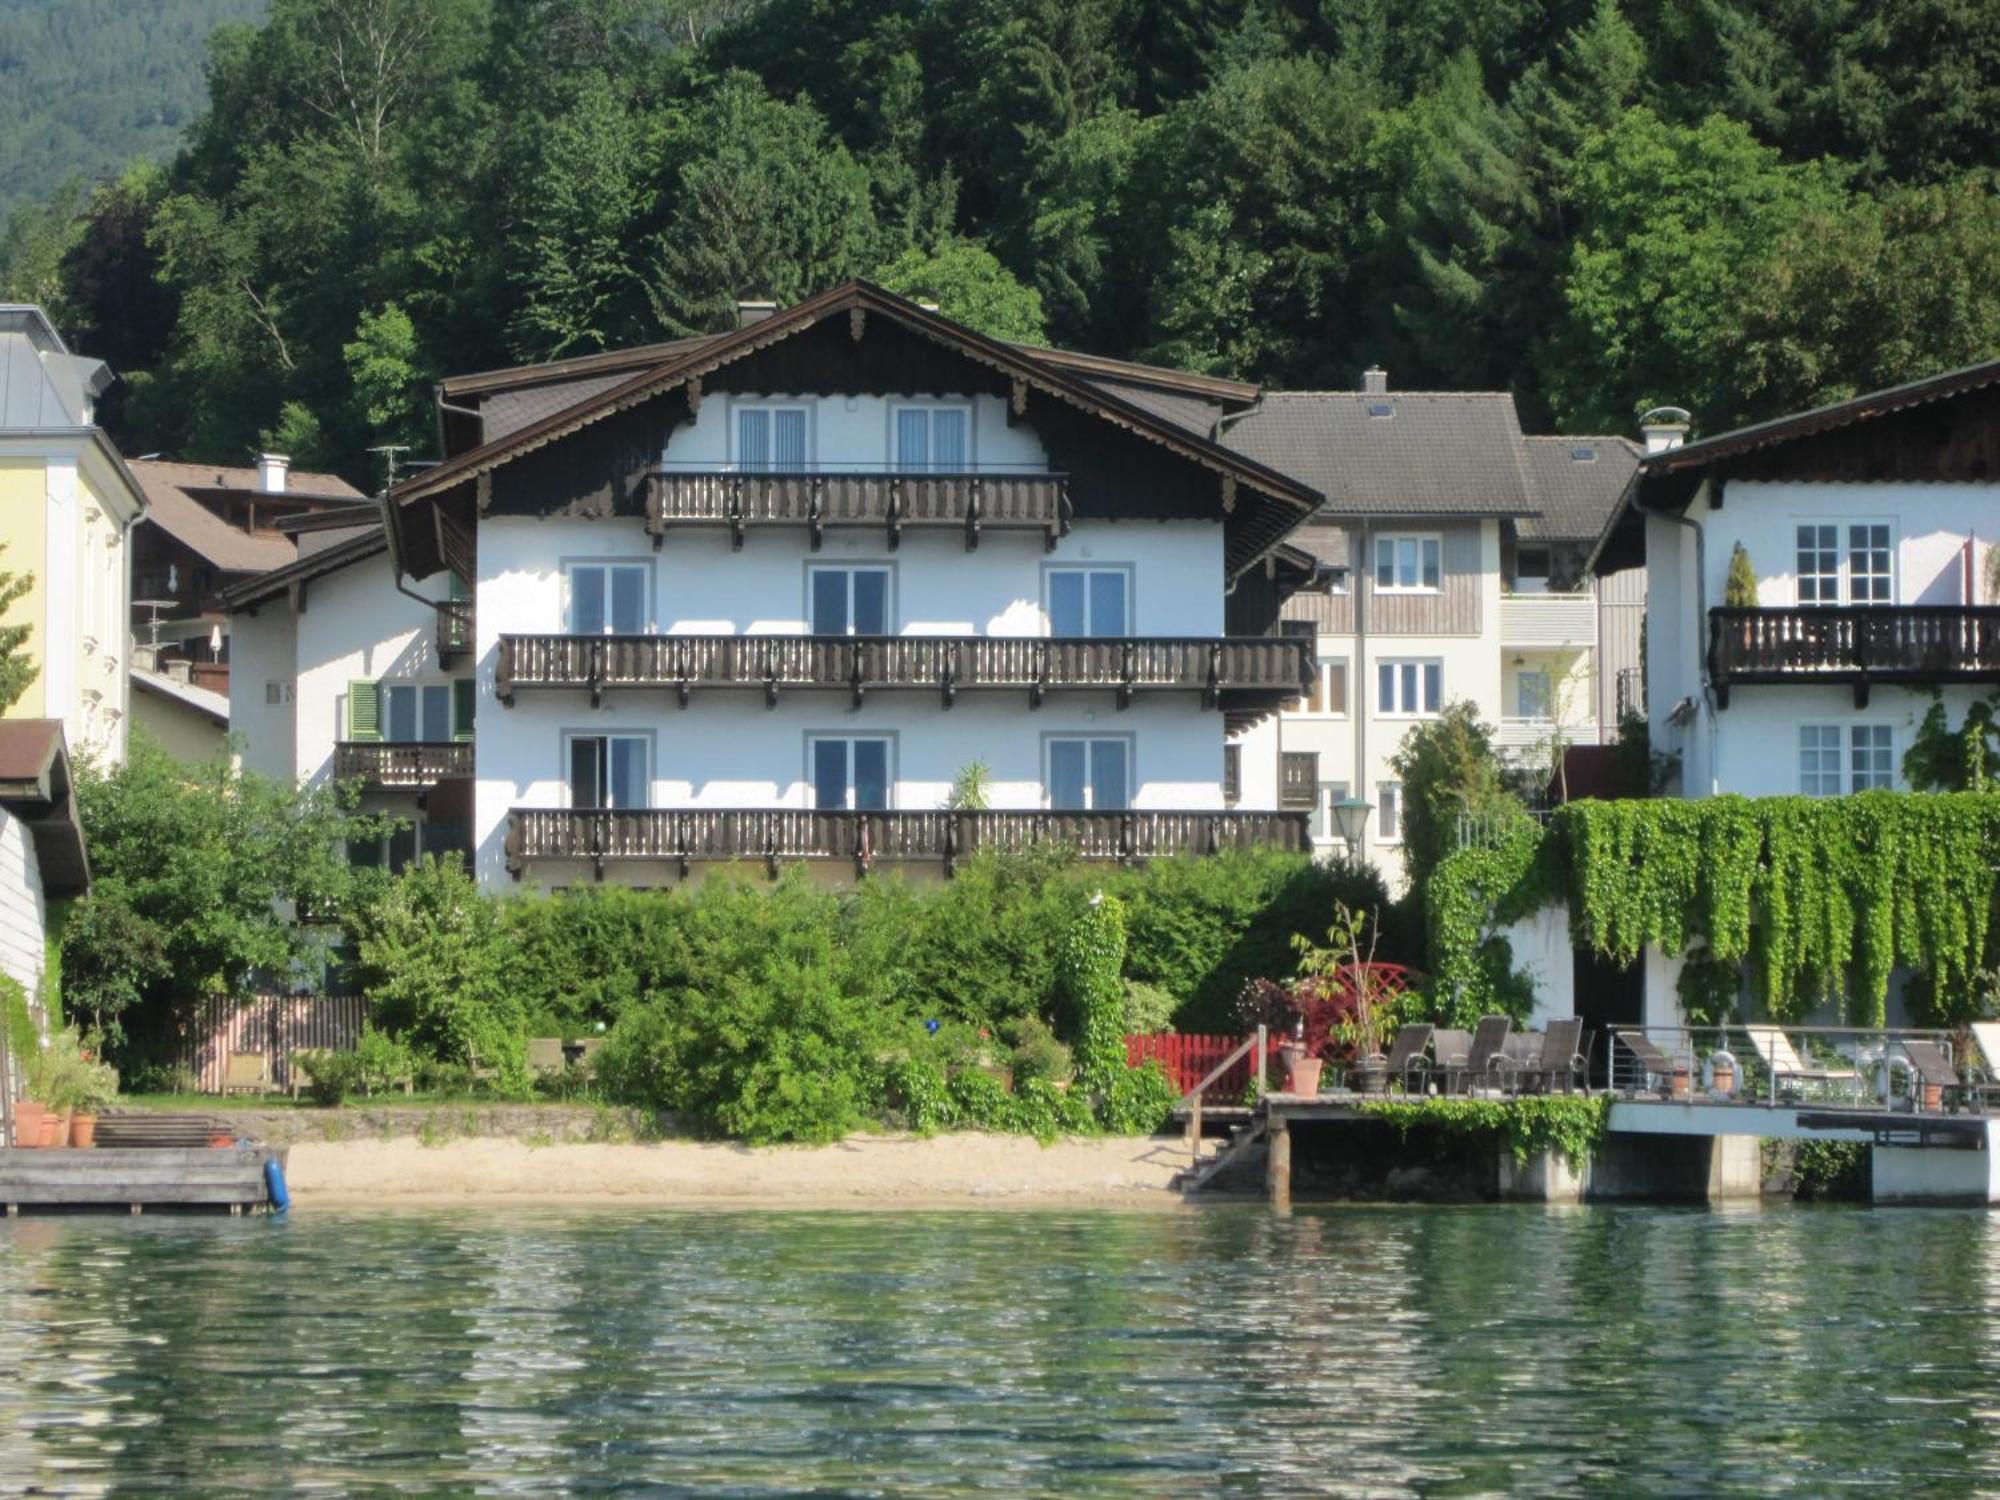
(1664, 427)
(1374, 381)
(180, 669)
(271, 468)
(753, 312)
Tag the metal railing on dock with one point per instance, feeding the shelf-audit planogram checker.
(1926, 1070)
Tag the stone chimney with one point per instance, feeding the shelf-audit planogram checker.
(1374, 381)
(271, 471)
(1664, 427)
(753, 312)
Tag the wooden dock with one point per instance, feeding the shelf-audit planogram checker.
(131, 1180)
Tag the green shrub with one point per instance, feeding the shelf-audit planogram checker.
(1148, 1008)
(330, 1076)
(1036, 1053)
(382, 1063)
(1093, 995)
(1142, 1100)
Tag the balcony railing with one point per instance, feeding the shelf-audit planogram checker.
(1863, 644)
(454, 629)
(1298, 780)
(1548, 620)
(780, 836)
(414, 765)
(1233, 671)
(971, 502)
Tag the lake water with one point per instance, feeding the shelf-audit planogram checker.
(1350, 1351)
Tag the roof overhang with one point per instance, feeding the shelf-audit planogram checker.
(280, 582)
(36, 787)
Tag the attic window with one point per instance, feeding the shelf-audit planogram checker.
(1381, 408)
(1583, 455)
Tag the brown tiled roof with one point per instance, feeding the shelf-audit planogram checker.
(1578, 482)
(28, 747)
(170, 505)
(300, 484)
(1431, 453)
(35, 787)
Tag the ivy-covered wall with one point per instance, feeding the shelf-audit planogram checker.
(1821, 897)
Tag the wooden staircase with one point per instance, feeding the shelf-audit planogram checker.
(1243, 1140)
(1243, 1137)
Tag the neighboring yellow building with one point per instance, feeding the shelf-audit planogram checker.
(67, 504)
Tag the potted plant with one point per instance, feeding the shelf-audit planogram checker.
(28, 1115)
(74, 1088)
(1340, 980)
(1722, 1074)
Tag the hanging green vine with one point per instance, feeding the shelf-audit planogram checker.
(1824, 897)
(1570, 1123)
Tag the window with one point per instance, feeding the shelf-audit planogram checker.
(1863, 573)
(934, 438)
(1819, 760)
(393, 852)
(1232, 775)
(1532, 696)
(1330, 792)
(607, 598)
(1864, 761)
(1408, 564)
(1298, 780)
(1407, 688)
(1089, 601)
(848, 601)
(277, 692)
(1090, 775)
(771, 439)
(849, 773)
(1388, 812)
(1871, 759)
(1328, 693)
(610, 771)
(1531, 570)
(417, 712)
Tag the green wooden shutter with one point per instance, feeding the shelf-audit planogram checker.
(364, 710)
(464, 694)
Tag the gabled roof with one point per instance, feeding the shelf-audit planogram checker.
(860, 297)
(1394, 453)
(35, 786)
(171, 489)
(42, 384)
(320, 553)
(1577, 493)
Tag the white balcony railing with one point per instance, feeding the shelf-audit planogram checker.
(1517, 734)
(1548, 620)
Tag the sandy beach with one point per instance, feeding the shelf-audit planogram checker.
(862, 1170)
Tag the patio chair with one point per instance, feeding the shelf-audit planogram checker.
(1562, 1062)
(1450, 1052)
(1790, 1072)
(1933, 1068)
(1519, 1062)
(1406, 1053)
(1984, 1083)
(1489, 1041)
(247, 1073)
(1656, 1070)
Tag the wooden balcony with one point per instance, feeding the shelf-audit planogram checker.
(401, 767)
(454, 629)
(1864, 644)
(1238, 673)
(779, 836)
(968, 503)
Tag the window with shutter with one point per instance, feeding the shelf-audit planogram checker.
(464, 697)
(364, 710)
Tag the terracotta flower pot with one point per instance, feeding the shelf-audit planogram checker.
(55, 1128)
(1304, 1076)
(82, 1131)
(1680, 1085)
(1933, 1098)
(1725, 1080)
(28, 1124)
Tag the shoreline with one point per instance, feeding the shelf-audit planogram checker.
(969, 1169)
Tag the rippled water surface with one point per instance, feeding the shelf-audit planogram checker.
(1489, 1350)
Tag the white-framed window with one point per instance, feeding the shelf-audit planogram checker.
(1409, 687)
(1330, 792)
(1089, 601)
(848, 600)
(608, 770)
(1850, 562)
(606, 598)
(1834, 759)
(1089, 773)
(934, 436)
(773, 439)
(851, 772)
(1327, 697)
(1409, 562)
(278, 692)
(416, 712)
(1533, 696)
(1389, 812)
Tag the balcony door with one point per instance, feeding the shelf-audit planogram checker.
(609, 771)
(1090, 774)
(849, 773)
(1846, 563)
(849, 601)
(771, 439)
(932, 438)
(607, 598)
(1089, 602)
(417, 713)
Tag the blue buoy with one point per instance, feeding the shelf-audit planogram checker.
(274, 1185)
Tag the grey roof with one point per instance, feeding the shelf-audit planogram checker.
(1442, 453)
(43, 385)
(1192, 413)
(1577, 493)
(508, 411)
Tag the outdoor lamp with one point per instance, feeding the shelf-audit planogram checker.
(1350, 821)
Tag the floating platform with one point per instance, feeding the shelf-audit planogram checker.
(227, 1179)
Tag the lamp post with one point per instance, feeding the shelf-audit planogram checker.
(1350, 821)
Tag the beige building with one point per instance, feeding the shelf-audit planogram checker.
(67, 506)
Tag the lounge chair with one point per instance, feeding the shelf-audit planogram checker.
(1406, 1054)
(247, 1073)
(1790, 1073)
(1655, 1071)
(1985, 1082)
(1933, 1068)
(1519, 1062)
(1562, 1062)
(545, 1054)
(1489, 1041)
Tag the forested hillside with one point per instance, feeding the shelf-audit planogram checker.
(89, 85)
(1739, 206)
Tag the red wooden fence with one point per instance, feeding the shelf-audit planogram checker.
(1188, 1060)
(274, 1025)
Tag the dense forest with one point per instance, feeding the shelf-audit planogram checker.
(87, 86)
(1738, 206)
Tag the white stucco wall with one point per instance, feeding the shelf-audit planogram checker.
(263, 653)
(1542, 951)
(855, 433)
(23, 913)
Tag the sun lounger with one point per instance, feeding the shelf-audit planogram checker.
(1519, 1061)
(1790, 1072)
(1406, 1054)
(1985, 1081)
(1933, 1069)
(1489, 1042)
(1655, 1070)
(1562, 1062)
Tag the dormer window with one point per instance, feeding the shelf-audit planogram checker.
(934, 438)
(772, 439)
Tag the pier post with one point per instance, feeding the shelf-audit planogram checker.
(1278, 1164)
